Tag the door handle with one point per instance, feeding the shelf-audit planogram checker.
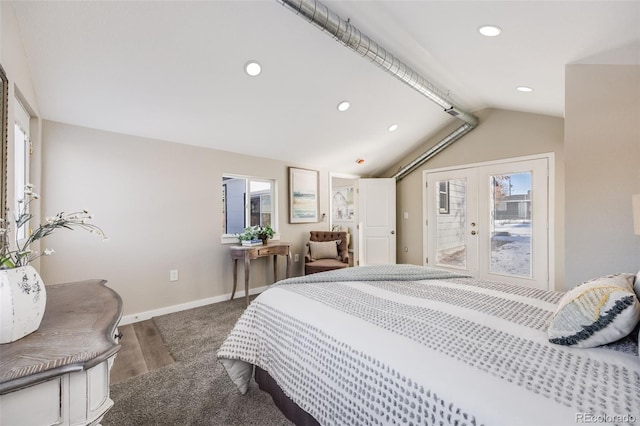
(393, 232)
(473, 232)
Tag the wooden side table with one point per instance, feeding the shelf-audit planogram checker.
(248, 253)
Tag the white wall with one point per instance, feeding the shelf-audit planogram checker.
(602, 148)
(161, 205)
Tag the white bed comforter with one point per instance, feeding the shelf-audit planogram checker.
(409, 345)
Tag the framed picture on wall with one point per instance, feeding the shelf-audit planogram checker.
(342, 203)
(303, 195)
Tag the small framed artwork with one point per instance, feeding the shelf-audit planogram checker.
(303, 195)
(342, 203)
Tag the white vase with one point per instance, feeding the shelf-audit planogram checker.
(22, 302)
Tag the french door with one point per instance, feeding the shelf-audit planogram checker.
(490, 221)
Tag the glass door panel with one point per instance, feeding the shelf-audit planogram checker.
(513, 203)
(451, 222)
(453, 198)
(510, 224)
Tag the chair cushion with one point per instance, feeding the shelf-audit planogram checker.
(595, 313)
(323, 249)
(323, 265)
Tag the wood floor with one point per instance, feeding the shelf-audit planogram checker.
(142, 350)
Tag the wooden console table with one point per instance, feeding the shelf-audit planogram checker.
(59, 374)
(249, 253)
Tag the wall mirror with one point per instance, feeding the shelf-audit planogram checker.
(4, 105)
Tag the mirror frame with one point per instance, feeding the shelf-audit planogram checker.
(4, 105)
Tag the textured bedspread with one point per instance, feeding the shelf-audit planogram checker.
(421, 346)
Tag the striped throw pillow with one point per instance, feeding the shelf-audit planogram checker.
(596, 312)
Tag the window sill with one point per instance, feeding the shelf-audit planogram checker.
(233, 239)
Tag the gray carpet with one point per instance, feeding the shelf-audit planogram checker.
(195, 390)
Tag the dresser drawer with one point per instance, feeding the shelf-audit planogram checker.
(266, 251)
(35, 405)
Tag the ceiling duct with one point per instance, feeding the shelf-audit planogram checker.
(342, 30)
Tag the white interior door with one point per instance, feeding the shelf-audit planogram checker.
(490, 221)
(377, 221)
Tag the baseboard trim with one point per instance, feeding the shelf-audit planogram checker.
(143, 316)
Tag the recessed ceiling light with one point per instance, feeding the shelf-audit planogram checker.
(252, 68)
(490, 30)
(524, 89)
(343, 106)
(393, 127)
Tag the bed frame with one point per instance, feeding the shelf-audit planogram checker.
(290, 409)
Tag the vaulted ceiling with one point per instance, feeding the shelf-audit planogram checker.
(175, 70)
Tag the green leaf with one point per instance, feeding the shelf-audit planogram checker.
(7, 262)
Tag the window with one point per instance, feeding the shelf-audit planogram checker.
(247, 201)
(443, 197)
(22, 151)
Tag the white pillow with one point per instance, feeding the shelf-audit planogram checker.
(597, 312)
(323, 249)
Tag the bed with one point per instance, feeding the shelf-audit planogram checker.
(411, 345)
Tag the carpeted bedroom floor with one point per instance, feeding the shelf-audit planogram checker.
(195, 389)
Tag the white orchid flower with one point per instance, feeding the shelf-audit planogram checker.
(22, 255)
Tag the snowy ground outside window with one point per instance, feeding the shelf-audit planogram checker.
(511, 248)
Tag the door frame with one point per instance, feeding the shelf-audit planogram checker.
(551, 210)
(355, 234)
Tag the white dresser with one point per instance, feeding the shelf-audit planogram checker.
(59, 375)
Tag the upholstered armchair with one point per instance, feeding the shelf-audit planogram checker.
(326, 250)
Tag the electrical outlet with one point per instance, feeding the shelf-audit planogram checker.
(173, 275)
(296, 257)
